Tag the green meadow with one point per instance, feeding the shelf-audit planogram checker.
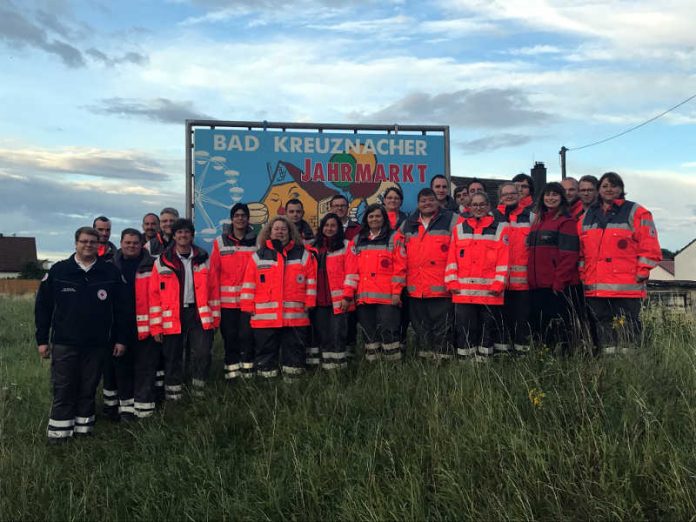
(538, 438)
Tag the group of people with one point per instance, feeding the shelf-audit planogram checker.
(471, 280)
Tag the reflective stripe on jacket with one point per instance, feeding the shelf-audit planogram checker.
(142, 296)
(477, 262)
(553, 252)
(424, 256)
(371, 274)
(279, 287)
(618, 248)
(166, 292)
(228, 261)
(519, 220)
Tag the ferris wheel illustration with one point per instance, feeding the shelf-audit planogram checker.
(209, 195)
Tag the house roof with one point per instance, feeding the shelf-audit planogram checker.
(687, 246)
(668, 265)
(15, 252)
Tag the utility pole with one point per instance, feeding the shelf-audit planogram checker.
(563, 161)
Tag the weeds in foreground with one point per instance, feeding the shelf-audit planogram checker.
(539, 437)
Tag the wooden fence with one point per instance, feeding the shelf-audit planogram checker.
(18, 286)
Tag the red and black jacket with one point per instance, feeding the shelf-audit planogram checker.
(553, 252)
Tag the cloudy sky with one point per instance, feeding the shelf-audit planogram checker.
(95, 92)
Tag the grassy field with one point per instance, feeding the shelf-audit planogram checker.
(539, 438)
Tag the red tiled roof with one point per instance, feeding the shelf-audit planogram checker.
(668, 265)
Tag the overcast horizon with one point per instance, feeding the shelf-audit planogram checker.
(95, 96)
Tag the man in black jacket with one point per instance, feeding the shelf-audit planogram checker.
(82, 310)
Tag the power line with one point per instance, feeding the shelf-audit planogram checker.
(636, 126)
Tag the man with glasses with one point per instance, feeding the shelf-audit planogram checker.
(339, 206)
(81, 315)
(516, 305)
(587, 190)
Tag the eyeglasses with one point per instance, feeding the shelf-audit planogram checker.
(587, 190)
(478, 205)
(87, 242)
(508, 194)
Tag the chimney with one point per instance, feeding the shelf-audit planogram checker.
(538, 174)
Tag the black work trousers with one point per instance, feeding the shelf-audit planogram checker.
(147, 355)
(516, 322)
(286, 344)
(329, 334)
(477, 328)
(552, 320)
(75, 374)
(239, 343)
(432, 321)
(381, 325)
(187, 354)
(618, 323)
(118, 384)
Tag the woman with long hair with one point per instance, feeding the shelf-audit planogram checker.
(373, 283)
(618, 248)
(329, 321)
(552, 268)
(279, 289)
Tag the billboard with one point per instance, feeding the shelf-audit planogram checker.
(266, 168)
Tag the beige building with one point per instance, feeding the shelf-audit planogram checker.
(685, 263)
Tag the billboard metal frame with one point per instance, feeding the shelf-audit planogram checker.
(319, 127)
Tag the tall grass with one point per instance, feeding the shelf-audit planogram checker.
(539, 438)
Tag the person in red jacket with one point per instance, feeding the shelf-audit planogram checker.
(571, 187)
(228, 260)
(618, 248)
(329, 321)
(525, 186)
(425, 237)
(373, 283)
(553, 259)
(516, 306)
(279, 289)
(476, 275)
(393, 198)
(184, 310)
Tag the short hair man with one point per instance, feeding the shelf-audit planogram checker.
(230, 255)
(339, 206)
(570, 185)
(461, 196)
(294, 210)
(129, 381)
(425, 236)
(587, 190)
(184, 310)
(106, 248)
(151, 225)
(516, 300)
(440, 185)
(525, 186)
(82, 311)
(163, 240)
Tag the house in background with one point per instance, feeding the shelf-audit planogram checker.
(15, 253)
(537, 172)
(685, 263)
(664, 271)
